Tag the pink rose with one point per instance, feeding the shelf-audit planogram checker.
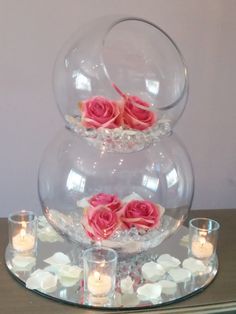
(134, 116)
(111, 201)
(101, 112)
(100, 222)
(140, 214)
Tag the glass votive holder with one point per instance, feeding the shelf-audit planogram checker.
(99, 275)
(203, 236)
(22, 230)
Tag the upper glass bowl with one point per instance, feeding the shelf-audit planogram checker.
(121, 60)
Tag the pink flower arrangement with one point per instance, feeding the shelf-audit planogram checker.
(106, 213)
(128, 112)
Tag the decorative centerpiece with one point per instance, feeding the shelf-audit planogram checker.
(117, 176)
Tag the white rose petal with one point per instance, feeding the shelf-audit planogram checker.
(167, 261)
(168, 287)
(83, 203)
(131, 197)
(58, 259)
(152, 271)
(149, 291)
(194, 265)
(22, 261)
(179, 274)
(42, 280)
(126, 285)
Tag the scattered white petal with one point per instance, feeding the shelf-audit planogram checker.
(21, 261)
(152, 271)
(58, 259)
(129, 300)
(179, 274)
(48, 283)
(83, 203)
(194, 265)
(184, 241)
(131, 197)
(168, 287)
(69, 275)
(149, 291)
(167, 261)
(42, 280)
(126, 285)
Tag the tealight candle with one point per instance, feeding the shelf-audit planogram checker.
(99, 284)
(22, 231)
(23, 241)
(201, 248)
(99, 275)
(203, 237)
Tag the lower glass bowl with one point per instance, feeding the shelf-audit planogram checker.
(127, 201)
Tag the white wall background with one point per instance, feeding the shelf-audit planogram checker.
(32, 32)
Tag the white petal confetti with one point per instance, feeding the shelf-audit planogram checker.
(149, 292)
(58, 259)
(179, 274)
(83, 203)
(131, 197)
(152, 271)
(194, 265)
(126, 285)
(24, 262)
(42, 280)
(69, 275)
(168, 287)
(167, 261)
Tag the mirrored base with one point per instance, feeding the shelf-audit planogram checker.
(68, 288)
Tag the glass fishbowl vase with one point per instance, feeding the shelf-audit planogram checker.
(117, 175)
(127, 201)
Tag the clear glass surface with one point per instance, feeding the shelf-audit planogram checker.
(73, 170)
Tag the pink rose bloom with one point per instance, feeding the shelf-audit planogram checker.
(134, 116)
(101, 112)
(111, 201)
(100, 222)
(140, 214)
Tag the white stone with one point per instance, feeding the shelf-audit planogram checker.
(149, 291)
(168, 287)
(167, 261)
(152, 271)
(179, 274)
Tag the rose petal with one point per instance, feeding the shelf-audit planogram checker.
(168, 287)
(58, 258)
(194, 265)
(168, 261)
(179, 274)
(152, 271)
(126, 285)
(149, 292)
(22, 261)
(131, 197)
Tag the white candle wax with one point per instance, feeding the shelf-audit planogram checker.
(23, 241)
(99, 284)
(201, 248)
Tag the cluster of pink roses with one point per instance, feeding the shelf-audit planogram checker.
(107, 213)
(128, 112)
